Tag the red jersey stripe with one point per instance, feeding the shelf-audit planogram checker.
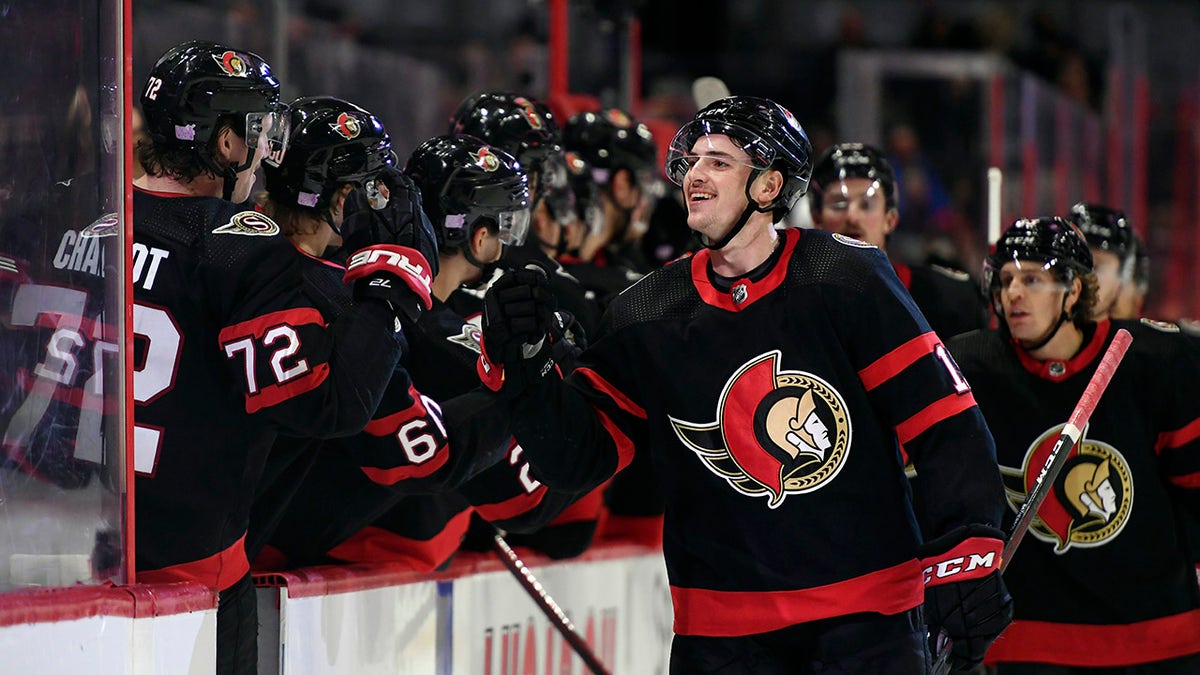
(1190, 481)
(891, 364)
(511, 507)
(1178, 438)
(932, 414)
(605, 387)
(219, 570)
(888, 591)
(396, 474)
(624, 445)
(278, 393)
(1099, 645)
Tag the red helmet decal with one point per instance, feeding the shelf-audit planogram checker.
(619, 118)
(531, 114)
(347, 126)
(233, 64)
(487, 160)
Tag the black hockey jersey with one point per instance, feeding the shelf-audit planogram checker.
(773, 411)
(950, 300)
(230, 347)
(1104, 577)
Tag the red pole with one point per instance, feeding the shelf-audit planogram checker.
(126, 89)
(635, 66)
(560, 35)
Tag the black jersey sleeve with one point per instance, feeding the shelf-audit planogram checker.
(312, 374)
(917, 389)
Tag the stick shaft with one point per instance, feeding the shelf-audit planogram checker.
(549, 607)
(1066, 440)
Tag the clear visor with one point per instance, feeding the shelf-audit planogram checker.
(513, 226)
(840, 196)
(1031, 275)
(696, 145)
(268, 130)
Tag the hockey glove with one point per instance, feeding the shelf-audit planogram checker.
(398, 275)
(388, 211)
(521, 330)
(965, 596)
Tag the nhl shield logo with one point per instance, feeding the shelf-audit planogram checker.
(776, 433)
(1091, 499)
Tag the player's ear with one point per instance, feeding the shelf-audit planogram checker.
(767, 186)
(891, 220)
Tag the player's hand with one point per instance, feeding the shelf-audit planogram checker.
(398, 275)
(388, 211)
(520, 326)
(965, 596)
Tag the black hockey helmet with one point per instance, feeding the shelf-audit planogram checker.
(767, 132)
(1105, 228)
(1052, 241)
(518, 125)
(588, 206)
(609, 140)
(465, 183)
(852, 160)
(197, 85)
(332, 142)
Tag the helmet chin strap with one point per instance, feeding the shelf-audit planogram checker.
(1062, 318)
(752, 207)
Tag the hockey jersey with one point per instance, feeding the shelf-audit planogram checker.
(772, 407)
(950, 300)
(1104, 577)
(231, 347)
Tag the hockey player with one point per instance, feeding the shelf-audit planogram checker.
(478, 202)
(1114, 253)
(621, 154)
(525, 129)
(230, 338)
(854, 193)
(771, 378)
(1105, 583)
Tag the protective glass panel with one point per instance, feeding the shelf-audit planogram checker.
(61, 289)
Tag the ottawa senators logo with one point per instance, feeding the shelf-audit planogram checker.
(249, 223)
(232, 63)
(776, 432)
(347, 126)
(618, 118)
(106, 225)
(487, 160)
(532, 116)
(1090, 501)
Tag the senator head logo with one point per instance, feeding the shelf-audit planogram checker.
(232, 63)
(530, 112)
(487, 160)
(776, 432)
(347, 126)
(1090, 500)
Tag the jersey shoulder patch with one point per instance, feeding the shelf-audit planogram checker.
(250, 224)
(851, 241)
(957, 275)
(1163, 326)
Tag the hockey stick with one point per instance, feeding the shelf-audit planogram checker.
(1055, 462)
(547, 604)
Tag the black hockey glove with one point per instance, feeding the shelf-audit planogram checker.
(965, 596)
(523, 336)
(395, 251)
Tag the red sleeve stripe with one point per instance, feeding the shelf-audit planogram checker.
(396, 474)
(1190, 481)
(278, 393)
(219, 570)
(513, 507)
(932, 414)
(1178, 438)
(624, 445)
(605, 387)
(259, 325)
(890, 364)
